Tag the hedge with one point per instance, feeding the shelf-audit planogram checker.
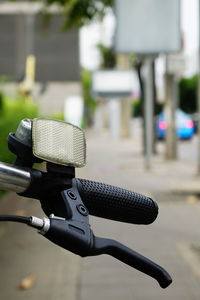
(12, 111)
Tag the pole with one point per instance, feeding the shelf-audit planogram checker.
(170, 113)
(198, 97)
(148, 111)
(175, 96)
(123, 62)
(114, 120)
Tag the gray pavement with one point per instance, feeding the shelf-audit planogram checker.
(168, 241)
(23, 252)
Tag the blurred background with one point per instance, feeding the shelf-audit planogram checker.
(127, 72)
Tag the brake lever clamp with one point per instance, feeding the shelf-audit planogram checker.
(75, 234)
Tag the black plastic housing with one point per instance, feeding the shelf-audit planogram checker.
(23, 152)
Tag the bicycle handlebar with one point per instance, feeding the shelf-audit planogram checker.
(102, 200)
(66, 200)
(110, 202)
(14, 178)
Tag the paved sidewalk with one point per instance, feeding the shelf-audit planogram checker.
(121, 162)
(24, 253)
(168, 241)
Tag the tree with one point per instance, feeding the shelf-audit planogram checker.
(188, 94)
(77, 13)
(108, 56)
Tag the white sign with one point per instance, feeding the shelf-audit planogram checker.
(176, 64)
(113, 83)
(148, 26)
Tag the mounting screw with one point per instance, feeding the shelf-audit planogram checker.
(82, 209)
(71, 195)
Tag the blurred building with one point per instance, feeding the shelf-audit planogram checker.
(23, 32)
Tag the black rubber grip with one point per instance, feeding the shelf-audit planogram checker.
(110, 202)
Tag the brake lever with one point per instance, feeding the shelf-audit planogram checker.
(132, 258)
(75, 234)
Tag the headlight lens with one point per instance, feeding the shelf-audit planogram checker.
(58, 142)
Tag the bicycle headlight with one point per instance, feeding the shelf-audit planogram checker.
(58, 142)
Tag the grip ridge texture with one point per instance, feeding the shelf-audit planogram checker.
(110, 202)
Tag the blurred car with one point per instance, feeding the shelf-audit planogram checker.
(184, 125)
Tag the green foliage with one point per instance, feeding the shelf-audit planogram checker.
(137, 108)
(1, 101)
(58, 116)
(89, 101)
(80, 12)
(188, 94)
(11, 113)
(108, 56)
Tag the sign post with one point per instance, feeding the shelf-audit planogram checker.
(148, 111)
(175, 65)
(144, 27)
